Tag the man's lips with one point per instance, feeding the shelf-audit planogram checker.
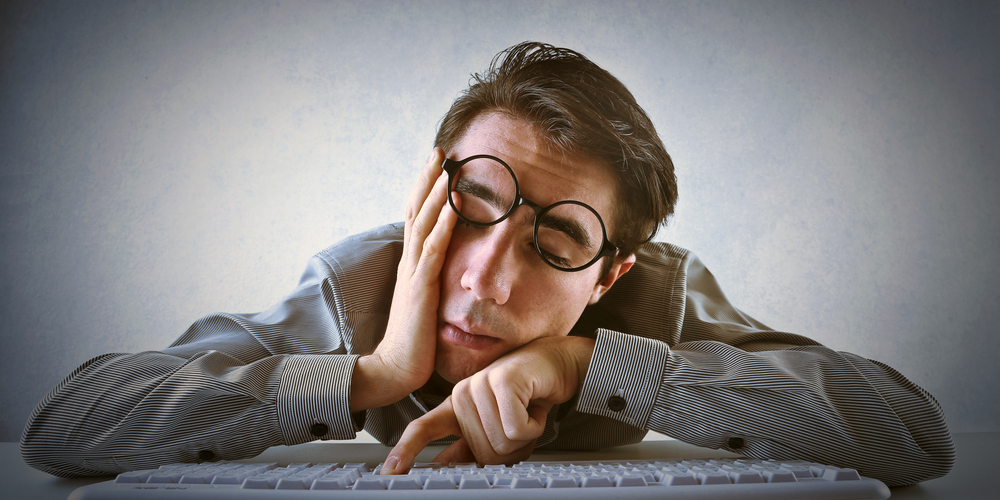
(455, 335)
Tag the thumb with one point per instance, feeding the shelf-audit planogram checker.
(458, 451)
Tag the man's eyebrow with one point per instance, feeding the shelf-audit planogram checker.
(483, 192)
(569, 227)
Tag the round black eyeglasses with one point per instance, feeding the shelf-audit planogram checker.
(568, 235)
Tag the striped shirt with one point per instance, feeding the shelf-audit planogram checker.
(672, 355)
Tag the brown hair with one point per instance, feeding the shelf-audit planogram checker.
(581, 109)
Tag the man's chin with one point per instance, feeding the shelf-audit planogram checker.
(455, 366)
(455, 363)
(452, 374)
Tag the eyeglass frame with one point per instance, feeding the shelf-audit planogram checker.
(607, 249)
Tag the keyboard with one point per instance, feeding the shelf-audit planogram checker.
(738, 478)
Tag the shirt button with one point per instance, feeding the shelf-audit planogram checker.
(616, 403)
(319, 430)
(205, 455)
(736, 443)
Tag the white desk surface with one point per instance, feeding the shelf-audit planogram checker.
(971, 478)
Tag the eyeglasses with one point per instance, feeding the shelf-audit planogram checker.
(569, 235)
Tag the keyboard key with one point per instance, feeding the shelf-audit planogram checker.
(198, 478)
(841, 475)
(626, 480)
(778, 476)
(360, 466)
(230, 478)
(708, 477)
(677, 479)
(332, 482)
(744, 477)
(405, 483)
(596, 481)
(799, 471)
(524, 482)
(428, 465)
(370, 483)
(440, 482)
(294, 483)
(502, 479)
(165, 476)
(259, 482)
(136, 476)
(473, 482)
(561, 482)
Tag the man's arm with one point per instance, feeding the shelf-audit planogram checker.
(221, 391)
(734, 384)
(404, 359)
(234, 385)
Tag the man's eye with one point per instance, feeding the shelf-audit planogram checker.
(555, 259)
(472, 225)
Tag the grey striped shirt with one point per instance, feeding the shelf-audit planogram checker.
(672, 355)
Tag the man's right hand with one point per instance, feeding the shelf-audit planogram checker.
(404, 359)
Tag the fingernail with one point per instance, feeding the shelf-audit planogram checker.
(390, 464)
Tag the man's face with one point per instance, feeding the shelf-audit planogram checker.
(496, 293)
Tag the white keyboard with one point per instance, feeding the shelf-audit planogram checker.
(709, 478)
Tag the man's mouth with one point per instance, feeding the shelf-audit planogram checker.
(476, 341)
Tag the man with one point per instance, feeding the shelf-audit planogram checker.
(519, 306)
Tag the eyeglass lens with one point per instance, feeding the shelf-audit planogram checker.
(569, 234)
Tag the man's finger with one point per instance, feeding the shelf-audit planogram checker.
(425, 221)
(429, 174)
(458, 451)
(436, 424)
(484, 404)
(435, 245)
(429, 177)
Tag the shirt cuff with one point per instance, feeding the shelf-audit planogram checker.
(313, 398)
(623, 378)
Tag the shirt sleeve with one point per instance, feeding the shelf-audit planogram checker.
(734, 384)
(229, 388)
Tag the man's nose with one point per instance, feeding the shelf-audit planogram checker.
(491, 266)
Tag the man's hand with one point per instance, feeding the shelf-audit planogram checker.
(500, 411)
(404, 359)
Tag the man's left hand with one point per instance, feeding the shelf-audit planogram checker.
(500, 411)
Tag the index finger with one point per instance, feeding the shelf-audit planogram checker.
(436, 424)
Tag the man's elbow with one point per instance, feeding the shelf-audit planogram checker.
(57, 462)
(51, 452)
(935, 461)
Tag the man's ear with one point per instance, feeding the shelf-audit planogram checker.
(618, 269)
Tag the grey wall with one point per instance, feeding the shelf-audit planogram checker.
(165, 160)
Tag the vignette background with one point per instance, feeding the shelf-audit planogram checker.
(160, 161)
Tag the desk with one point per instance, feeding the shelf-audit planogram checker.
(969, 480)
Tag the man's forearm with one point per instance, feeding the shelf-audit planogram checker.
(103, 419)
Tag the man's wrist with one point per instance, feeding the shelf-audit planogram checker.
(370, 387)
(375, 383)
(583, 351)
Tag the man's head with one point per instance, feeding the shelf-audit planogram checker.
(570, 131)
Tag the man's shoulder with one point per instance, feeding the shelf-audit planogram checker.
(360, 269)
(662, 252)
(648, 301)
(379, 247)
